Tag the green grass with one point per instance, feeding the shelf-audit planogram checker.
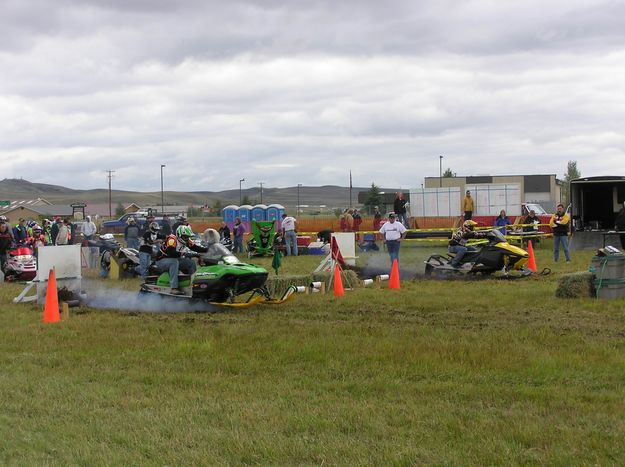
(486, 372)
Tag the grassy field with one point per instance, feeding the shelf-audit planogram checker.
(441, 372)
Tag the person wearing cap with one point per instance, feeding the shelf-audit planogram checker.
(468, 206)
(393, 232)
(89, 229)
(132, 233)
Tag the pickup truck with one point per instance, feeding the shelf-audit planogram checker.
(118, 225)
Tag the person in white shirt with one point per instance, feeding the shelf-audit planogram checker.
(289, 233)
(393, 232)
(89, 229)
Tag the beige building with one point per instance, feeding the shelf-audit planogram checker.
(542, 189)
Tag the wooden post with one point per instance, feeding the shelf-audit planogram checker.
(64, 311)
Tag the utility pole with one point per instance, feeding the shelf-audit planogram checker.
(299, 185)
(162, 195)
(110, 177)
(261, 192)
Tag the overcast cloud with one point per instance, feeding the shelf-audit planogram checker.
(289, 92)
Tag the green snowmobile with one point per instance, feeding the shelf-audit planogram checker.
(219, 279)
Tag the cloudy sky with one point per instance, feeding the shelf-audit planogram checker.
(289, 92)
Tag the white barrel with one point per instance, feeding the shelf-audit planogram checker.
(383, 277)
(301, 288)
(315, 285)
(367, 282)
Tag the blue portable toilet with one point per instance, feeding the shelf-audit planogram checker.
(230, 214)
(259, 212)
(245, 213)
(274, 212)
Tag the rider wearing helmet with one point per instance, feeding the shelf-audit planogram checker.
(149, 238)
(171, 256)
(38, 239)
(458, 241)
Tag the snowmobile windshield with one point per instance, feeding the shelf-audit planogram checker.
(496, 236)
(216, 251)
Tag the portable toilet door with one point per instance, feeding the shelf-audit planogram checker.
(230, 214)
(245, 214)
(259, 213)
(273, 212)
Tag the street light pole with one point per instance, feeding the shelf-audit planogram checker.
(440, 170)
(261, 192)
(162, 194)
(298, 187)
(240, 193)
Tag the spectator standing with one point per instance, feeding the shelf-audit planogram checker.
(289, 233)
(62, 237)
(224, 232)
(468, 206)
(559, 223)
(132, 233)
(399, 207)
(181, 220)
(54, 230)
(71, 229)
(502, 221)
(393, 232)
(377, 218)
(357, 220)
(530, 226)
(89, 229)
(6, 240)
(166, 227)
(347, 221)
(239, 232)
(20, 232)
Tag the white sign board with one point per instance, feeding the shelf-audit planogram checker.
(346, 242)
(65, 260)
(435, 202)
(491, 198)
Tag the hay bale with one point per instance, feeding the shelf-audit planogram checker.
(277, 285)
(576, 285)
(349, 278)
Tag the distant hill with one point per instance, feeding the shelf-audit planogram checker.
(329, 195)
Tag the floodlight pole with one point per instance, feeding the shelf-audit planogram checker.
(240, 192)
(440, 170)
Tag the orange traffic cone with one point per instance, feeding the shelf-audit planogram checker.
(338, 282)
(51, 309)
(531, 262)
(393, 282)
